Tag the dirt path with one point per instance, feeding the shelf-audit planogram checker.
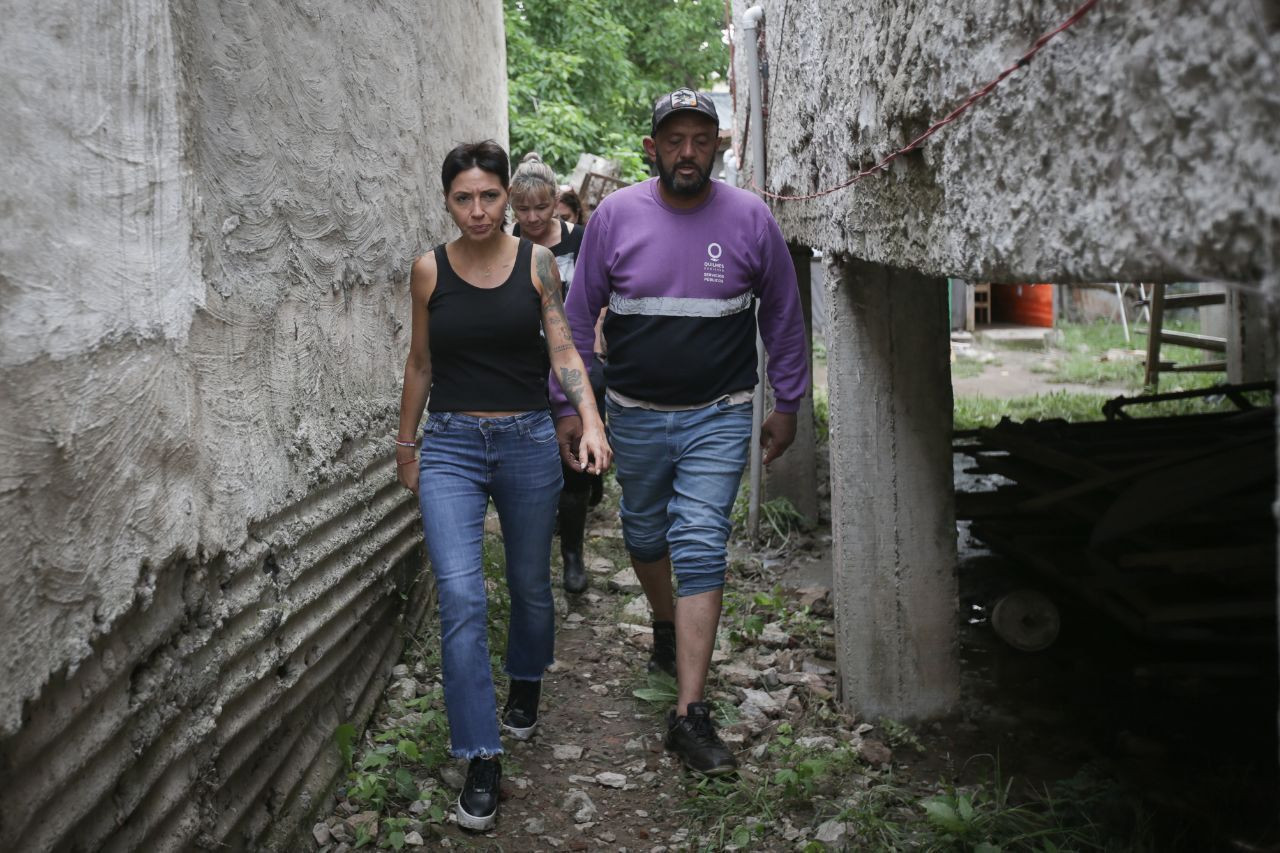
(596, 777)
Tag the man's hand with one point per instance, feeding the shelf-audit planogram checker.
(776, 434)
(569, 434)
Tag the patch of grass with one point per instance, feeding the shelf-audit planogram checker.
(413, 740)
(968, 368)
(659, 695)
(741, 810)
(986, 818)
(779, 519)
(1082, 356)
(900, 735)
(975, 411)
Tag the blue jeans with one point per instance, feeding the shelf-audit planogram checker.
(464, 462)
(679, 473)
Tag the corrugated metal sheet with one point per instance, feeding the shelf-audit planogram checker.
(206, 717)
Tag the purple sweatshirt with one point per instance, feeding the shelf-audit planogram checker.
(680, 286)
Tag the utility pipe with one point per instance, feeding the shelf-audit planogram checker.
(750, 21)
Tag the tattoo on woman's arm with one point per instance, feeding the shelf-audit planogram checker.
(553, 316)
(571, 382)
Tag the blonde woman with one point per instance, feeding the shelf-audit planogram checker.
(534, 192)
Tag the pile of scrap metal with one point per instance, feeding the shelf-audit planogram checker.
(1165, 524)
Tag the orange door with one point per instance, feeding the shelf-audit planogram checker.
(1024, 304)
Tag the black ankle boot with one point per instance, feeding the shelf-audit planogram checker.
(520, 716)
(573, 523)
(663, 656)
(477, 807)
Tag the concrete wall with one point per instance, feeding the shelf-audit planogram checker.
(210, 213)
(1140, 145)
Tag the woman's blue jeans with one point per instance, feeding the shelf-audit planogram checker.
(464, 462)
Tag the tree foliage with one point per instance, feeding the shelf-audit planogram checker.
(583, 74)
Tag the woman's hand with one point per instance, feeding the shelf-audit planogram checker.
(407, 471)
(594, 454)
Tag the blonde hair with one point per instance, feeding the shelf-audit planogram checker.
(533, 176)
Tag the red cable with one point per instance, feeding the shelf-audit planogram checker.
(950, 117)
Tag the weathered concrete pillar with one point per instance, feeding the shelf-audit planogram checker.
(1251, 348)
(795, 475)
(892, 500)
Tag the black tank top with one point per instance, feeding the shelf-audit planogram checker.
(487, 350)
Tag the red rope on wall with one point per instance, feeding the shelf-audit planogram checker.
(950, 117)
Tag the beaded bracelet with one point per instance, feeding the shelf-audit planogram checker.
(403, 443)
(407, 462)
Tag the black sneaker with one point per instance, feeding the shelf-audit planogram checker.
(477, 807)
(520, 715)
(693, 738)
(663, 656)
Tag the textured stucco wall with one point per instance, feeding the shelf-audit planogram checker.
(1142, 144)
(210, 212)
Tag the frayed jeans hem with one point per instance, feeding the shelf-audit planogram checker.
(469, 754)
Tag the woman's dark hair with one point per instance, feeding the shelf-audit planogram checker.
(487, 155)
(570, 199)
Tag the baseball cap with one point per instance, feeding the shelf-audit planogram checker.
(681, 100)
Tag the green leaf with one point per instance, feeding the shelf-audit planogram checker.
(345, 736)
(397, 839)
(408, 749)
(984, 847)
(375, 759)
(965, 808)
(812, 766)
(942, 815)
(404, 784)
(649, 694)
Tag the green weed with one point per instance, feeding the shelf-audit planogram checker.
(659, 694)
(779, 519)
(899, 735)
(822, 414)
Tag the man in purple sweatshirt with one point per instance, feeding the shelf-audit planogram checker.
(680, 262)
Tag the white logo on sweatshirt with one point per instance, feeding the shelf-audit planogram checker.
(713, 270)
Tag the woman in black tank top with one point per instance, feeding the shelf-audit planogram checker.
(487, 316)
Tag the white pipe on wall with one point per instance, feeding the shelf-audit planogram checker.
(750, 21)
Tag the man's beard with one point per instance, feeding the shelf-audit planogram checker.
(683, 186)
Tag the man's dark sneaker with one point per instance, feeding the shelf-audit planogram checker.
(693, 738)
(663, 656)
(520, 715)
(478, 801)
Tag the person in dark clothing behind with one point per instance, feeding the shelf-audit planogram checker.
(569, 207)
(477, 356)
(680, 261)
(533, 202)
